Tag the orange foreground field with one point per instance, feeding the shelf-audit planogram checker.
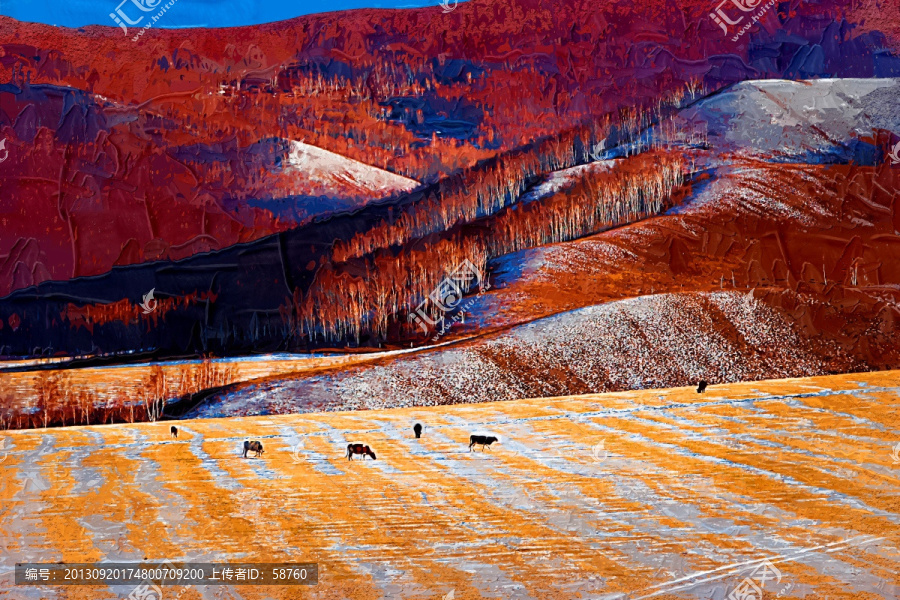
(647, 494)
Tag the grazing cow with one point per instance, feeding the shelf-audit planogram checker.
(174, 431)
(359, 449)
(701, 387)
(417, 428)
(253, 446)
(482, 440)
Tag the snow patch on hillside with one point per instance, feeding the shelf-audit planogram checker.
(334, 170)
(557, 181)
(797, 118)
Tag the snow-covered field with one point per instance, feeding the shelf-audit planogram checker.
(632, 495)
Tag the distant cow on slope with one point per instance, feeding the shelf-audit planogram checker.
(174, 431)
(701, 387)
(417, 428)
(359, 449)
(253, 446)
(482, 440)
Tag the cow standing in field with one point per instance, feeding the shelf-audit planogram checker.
(359, 449)
(417, 429)
(482, 440)
(701, 387)
(174, 431)
(253, 446)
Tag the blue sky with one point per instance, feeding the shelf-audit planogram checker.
(187, 13)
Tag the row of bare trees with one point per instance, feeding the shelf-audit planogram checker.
(367, 295)
(483, 191)
(60, 398)
(368, 286)
(475, 192)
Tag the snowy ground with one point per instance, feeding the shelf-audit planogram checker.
(336, 171)
(797, 119)
(632, 495)
(557, 181)
(650, 341)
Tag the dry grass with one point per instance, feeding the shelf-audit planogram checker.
(692, 487)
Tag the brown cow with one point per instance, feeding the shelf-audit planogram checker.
(253, 446)
(359, 449)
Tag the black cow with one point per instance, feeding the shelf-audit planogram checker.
(174, 431)
(359, 449)
(253, 446)
(482, 440)
(701, 387)
(417, 428)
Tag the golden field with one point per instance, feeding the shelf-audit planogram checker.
(643, 494)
